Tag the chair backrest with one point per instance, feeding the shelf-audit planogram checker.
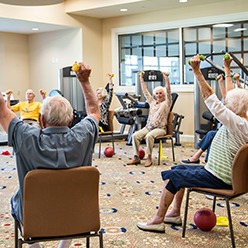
(61, 202)
(170, 123)
(240, 171)
(111, 115)
(174, 97)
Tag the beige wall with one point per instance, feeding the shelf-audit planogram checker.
(14, 59)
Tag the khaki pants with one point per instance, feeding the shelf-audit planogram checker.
(149, 137)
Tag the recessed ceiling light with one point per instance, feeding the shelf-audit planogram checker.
(239, 29)
(183, 1)
(35, 29)
(223, 25)
(123, 10)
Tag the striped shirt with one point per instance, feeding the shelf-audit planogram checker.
(230, 137)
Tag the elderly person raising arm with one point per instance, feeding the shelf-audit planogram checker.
(159, 109)
(56, 146)
(218, 171)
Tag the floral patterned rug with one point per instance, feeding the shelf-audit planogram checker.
(128, 194)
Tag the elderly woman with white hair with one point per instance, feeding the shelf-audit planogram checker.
(156, 124)
(104, 99)
(217, 173)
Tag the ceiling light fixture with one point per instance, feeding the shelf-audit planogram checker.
(223, 25)
(123, 10)
(183, 1)
(35, 29)
(239, 29)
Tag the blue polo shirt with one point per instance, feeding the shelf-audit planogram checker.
(52, 147)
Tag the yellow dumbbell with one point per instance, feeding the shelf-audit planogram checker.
(9, 92)
(75, 67)
(111, 74)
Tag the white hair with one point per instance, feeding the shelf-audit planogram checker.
(237, 101)
(103, 92)
(157, 89)
(57, 111)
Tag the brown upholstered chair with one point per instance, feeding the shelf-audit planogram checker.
(164, 138)
(239, 183)
(109, 133)
(60, 204)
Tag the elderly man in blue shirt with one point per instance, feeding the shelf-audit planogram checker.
(56, 145)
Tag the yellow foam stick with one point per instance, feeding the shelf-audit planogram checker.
(75, 67)
(161, 150)
(101, 129)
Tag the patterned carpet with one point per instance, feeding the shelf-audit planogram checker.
(129, 194)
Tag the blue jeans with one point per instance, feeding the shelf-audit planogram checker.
(206, 141)
(182, 176)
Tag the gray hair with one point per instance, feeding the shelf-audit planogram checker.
(158, 88)
(57, 111)
(103, 91)
(237, 101)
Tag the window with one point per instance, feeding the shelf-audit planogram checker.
(149, 51)
(159, 50)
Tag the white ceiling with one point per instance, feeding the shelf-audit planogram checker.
(92, 8)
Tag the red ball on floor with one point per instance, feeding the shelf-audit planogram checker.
(205, 219)
(141, 153)
(108, 151)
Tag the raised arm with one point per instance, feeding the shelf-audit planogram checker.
(205, 88)
(168, 88)
(8, 94)
(6, 115)
(92, 107)
(147, 95)
(228, 76)
(221, 85)
(236, 77)
(110, 81)
(42, 93)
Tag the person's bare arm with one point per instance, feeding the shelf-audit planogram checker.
(110, 80)
(6, 115)
(92, 107)
(237, 79)
(205, 88)
(145, 91)
(228, 76)
(42, 93)
(221, 85)
(167, 87)
(8, 94)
